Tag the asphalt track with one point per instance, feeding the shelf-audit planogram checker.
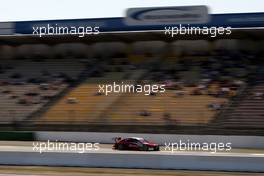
(75, 171)
(14, 146)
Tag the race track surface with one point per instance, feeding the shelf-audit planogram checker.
(75, 171)
(16, 146)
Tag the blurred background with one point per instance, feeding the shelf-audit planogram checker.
(49, 89)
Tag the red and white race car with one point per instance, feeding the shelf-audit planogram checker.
(135, 143)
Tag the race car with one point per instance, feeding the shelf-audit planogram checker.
(135, 143)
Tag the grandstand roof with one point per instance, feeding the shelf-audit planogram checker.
(118, 29)
(241, 20)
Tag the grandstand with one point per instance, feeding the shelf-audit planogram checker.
(247, 111)
(30, 82)
(202, 86)
(212, 84)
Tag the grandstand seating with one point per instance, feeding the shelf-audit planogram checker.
(163, 109)
(197, 101)
(27, 85)
(202, 84)
(248, 112)
(88, 104)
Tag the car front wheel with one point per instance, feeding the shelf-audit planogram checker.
(145, 148)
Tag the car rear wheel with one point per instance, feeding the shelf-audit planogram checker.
(120, 147)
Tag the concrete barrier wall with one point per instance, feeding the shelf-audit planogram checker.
(122, 160)
(236, 141)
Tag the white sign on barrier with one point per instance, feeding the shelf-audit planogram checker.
(167, 15)
(6, 28)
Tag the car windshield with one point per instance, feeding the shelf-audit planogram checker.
(144, 141)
